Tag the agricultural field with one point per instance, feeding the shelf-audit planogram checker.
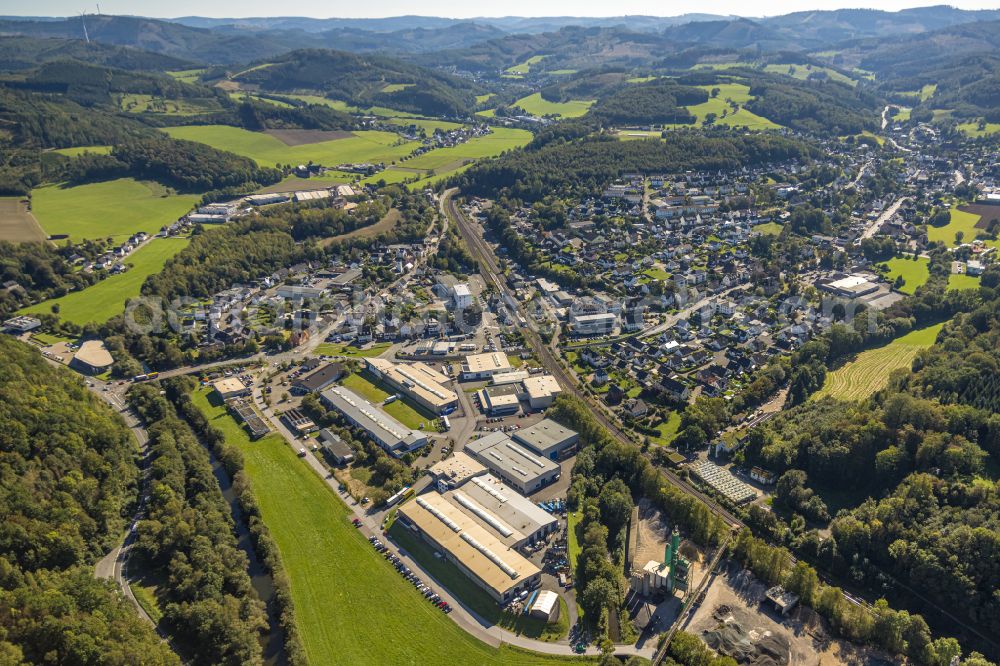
(107, 298)
(241, 95)
(536, 106)
(426, 125)
(960, 222)
(962, 281)
(902, 115)
(341, 105)
(915, 273)
(351, 606)
(113, 208)
(396, 87)
(187, 75)
(266, 150)
(740, 95)
(16, 223)
(406, 412)
(525, 67)
(80, 150)
(294, 183)
(869, 371)
(638, 135)
(444, 159)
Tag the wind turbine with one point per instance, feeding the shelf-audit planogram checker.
(84, 22)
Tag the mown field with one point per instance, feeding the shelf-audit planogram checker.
(962, 281)
(739, 94)
(974, 130)
(802, 72)
(525, 67)
(80, 150)
(138, 103)
(115, 208)
(537, 106)
(107, 298)
(869, 371)
(914, 273)
(16, 223)
(351, 606)
(501, 139)
(365, 146)
(960, 222)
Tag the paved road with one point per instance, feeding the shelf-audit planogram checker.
(874, 227)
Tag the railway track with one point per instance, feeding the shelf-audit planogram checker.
(491, 272)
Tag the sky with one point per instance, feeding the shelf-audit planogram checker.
(450, 8)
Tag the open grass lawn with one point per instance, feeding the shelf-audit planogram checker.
(351, 606)
(668, 430)
(445, 162)
(525, 67)
(107, 298)
(427, 125)
(960, 221)
(902, 115)
(869, 371)
(536, 106)
(408, 413)
(769, 228)
(341, 105)
(187, 75)
(483, 98)
(973, 129)
(740, 95)
(914, 273)
(80, 150)
(364, 146)
(116, 208)
(16, 223)
(140, 103)
(573, 545)
(963, 281)
(471, 594)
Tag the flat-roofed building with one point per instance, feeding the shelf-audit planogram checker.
(541, 390)
(462, 297)
(386, 431)
(485, 366)
(515, 465)
(488, 493)
(318, 380)
(476, 550)
(230, 387)
(455, 470)
(502, 400)
(590, 325)
(92, 357)
(852, 286)
(547, 438)
(22, 324)
(417, 381)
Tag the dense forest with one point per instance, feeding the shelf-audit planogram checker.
(187, 538)
(661, 101)
(67, 481)
(587, 165)
(43, 271)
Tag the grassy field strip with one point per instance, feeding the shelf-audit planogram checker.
(80, 150)
(266, 150)
(869, 372)
(525, 67)
(351, 606)
(537, 106)
(740, 95)
(107, 298)
(17, 224)
(501, 139)
(115, 208)
(963, 281)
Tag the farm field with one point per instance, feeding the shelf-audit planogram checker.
(80, 150)
(960, 221)
(426, 125)
(802, 72)
(138, 103)
(115, 208)
(962, 281)
(107, 298)
(187, 75)
(266, 150)
(869, 371)
(536, 106)
(501, 139)
(16, 223)
(341, 105)
(294, 183)
(915, 273)
(404, 411)
(347, 598)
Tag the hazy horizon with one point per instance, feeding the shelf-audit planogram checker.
(443, 9)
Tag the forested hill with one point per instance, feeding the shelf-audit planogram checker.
(364, 80)
(589, 164)
(67, 480)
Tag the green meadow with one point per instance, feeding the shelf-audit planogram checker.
(740, 95)
(525, 67)
(960, 222)
(536, 106)
(915, 273)
(80, 150)
(107, 298)
(116, 208)
(266, 150)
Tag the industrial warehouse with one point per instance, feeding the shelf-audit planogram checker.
(479, 543)
(515, 465)
(386, 431)
(417, 381)
(508, 390)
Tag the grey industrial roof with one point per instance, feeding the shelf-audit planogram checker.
(544, 435)
(383, 427)
(498, 451)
